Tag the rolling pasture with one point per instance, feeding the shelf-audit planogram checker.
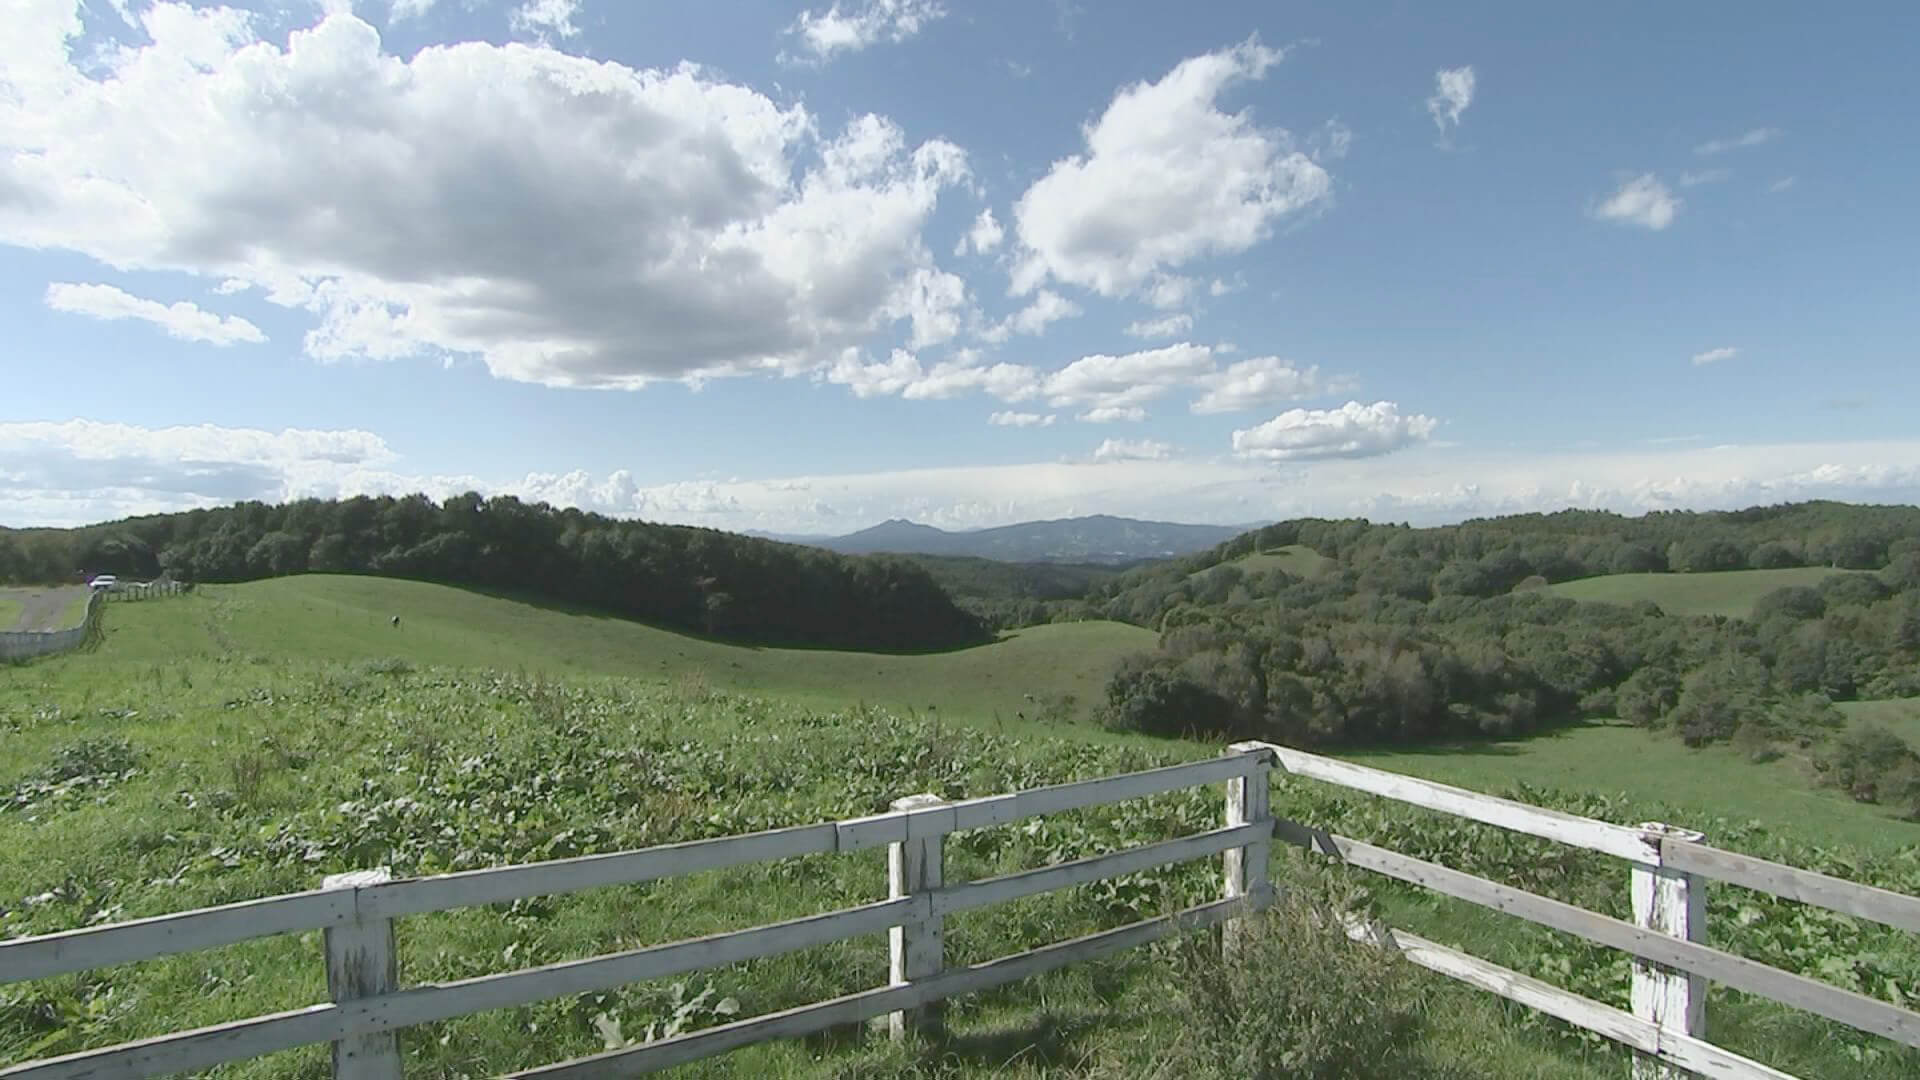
(1730, 593)
(1296, 559)
(247, 740)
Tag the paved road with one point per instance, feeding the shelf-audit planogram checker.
(41, 609)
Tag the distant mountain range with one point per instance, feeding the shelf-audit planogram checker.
(1100, 538)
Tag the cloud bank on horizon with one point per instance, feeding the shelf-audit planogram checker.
(616, 254)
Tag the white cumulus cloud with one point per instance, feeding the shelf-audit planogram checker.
(1714, 356)
(1132, 450)
(1047, 307)
(863, 23)
(1755, 137)
(984, 236)
(1020, 419)
(82, 471)
(1113, 414)
(1164, 327)
(1114, 387)
(545, 18)
(1259, 381)
(570, 222)
(1452, 93)
(1351, 431)
(1643, 201)
(1165, 179)
(181, 319)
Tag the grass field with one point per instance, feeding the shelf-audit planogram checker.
(1730, 592)
(10, 609)
(247, 740)
(339, 617)
(1648, 766)
(1901, 715)
(1295, 559)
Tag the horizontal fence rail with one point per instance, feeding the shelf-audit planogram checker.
(1665, 1028)
(360, 910)
(1669, 869)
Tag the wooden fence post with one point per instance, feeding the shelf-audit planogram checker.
(362, 962)
(917, 948)
(1245, 868)
(1671, 902)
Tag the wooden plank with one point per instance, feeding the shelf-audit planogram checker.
(1845, 1006)
(105, 946)
(1244, 869)
(996, 890)
(859, 833)
(363, 962)
(199, 1049)
(163, 935)
(1836, 894)
(444, 1001)
(1678, 1049)
(854, 1008)
(189, 1051)
(1671, 902)
(1581, 832)
(916, 950)
(507, 883)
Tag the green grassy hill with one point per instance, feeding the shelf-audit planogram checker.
(1729, 592)
(1901, 715)
(246, 740)
(343, 617)
(1295, 559)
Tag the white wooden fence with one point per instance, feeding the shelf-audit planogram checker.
(27, 644)
(369, 1006)
(144, 590)
(1668, 871)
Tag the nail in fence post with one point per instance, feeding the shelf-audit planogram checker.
(917, 948)
(1246, 867)
(1668, 902)
(362, 962)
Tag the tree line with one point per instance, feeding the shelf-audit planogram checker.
(702, 580)
(1421, 634)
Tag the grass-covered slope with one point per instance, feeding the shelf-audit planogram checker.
(1730, 593)
(1296, 559)
(343, 617)
(214, 749)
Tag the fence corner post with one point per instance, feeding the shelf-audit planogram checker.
(1245, 867)
(1671, 902)
(916, 866)
(363, 962)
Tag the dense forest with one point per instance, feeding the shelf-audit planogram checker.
(1005, 595)
(1430, 633)
(702, 580)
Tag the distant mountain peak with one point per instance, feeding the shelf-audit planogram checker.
(1095, 538)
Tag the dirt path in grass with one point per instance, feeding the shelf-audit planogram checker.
(45, 609)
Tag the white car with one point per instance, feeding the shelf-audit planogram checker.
(104, 581)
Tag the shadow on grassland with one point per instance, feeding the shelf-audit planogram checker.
(1481, 746)
(589, 611)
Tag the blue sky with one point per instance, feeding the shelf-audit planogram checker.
(773, 266)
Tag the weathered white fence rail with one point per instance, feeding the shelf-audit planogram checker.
(27, 644)
(144, 590)
(369, 1006)
(1667, 877)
